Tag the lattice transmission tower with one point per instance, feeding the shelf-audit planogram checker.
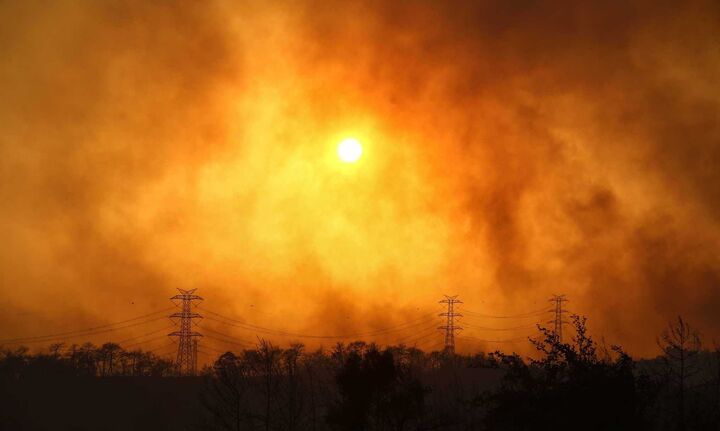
(558, 321)
(450, 326)
(186, 362)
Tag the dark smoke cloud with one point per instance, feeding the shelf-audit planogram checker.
(608, 111)
(565, 147)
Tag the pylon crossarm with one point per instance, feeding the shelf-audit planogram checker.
(187, 298)
(186, 315)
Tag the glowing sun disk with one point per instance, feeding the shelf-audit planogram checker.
(349, 150)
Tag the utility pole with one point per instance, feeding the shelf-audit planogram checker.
(186, 362)
(450, 326)
(558, 310)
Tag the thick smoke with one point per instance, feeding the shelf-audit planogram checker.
(512, 150)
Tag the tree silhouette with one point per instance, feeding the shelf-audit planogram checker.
(375, 391)
(291, 393)
(228, 391)
(107, 356)
(680, 344)
(569, 386)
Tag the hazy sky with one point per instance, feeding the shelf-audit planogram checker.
(512, 150)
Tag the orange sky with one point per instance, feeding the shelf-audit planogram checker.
(511, 151)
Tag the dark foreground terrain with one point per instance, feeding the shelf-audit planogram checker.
(359, 386)
(102, 403)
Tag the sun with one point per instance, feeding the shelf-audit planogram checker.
(349, 150)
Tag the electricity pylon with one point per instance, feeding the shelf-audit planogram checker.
(450, 326)
(558, 310)
(186, 362)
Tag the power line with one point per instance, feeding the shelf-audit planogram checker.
(59, 334)
(250, 343)
(205, 346)
(424, 337)
(429, 331)
(144, 335)
(509, 316)
(144, 341)
(509, 340)
(163, 350)
(270, 331)
(437, 345)
(251, 327)
(514, 328)
(85, 334)
(227, 341)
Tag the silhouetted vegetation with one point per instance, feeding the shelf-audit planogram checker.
(82, 360)
(88, 387)
(578, 384)
(570, 384)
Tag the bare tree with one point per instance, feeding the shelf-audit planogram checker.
(313, 365)
(56, 349)
(227, 392)
(680, 344)
(292, 391)
(87, 359)
(266, 358)
(108, 354)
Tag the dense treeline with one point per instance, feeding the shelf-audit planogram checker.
(575, 385)
(579, 384)
(88, 387)
(87, 359)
